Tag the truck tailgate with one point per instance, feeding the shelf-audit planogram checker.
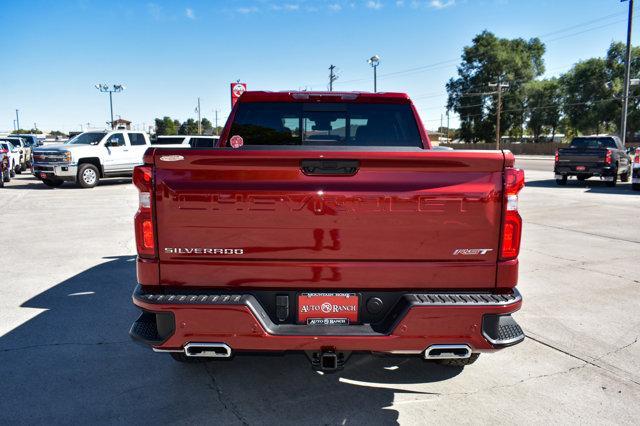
(582, 157)
(253, 218)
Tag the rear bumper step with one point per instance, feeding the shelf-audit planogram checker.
(416, 322)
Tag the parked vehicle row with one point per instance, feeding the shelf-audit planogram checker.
(601, 156)
(91, 156)
(15, 156)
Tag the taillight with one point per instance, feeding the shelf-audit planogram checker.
(557, 157)
(143, 221)
(512, 224)
(636, 159)
(607, 158)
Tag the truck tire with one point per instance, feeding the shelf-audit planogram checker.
(52, 183)
(612, 183)
(88, 176)
(458, 362)
(23, 167)
(18, 169)
(562, 181)
(6, 176)
(2, 181)
(625, 176)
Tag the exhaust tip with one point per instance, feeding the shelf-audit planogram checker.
(209, 350)
(447, 352)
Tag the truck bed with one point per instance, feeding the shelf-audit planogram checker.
(258, 218)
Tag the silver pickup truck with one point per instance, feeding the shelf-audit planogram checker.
(90, 156)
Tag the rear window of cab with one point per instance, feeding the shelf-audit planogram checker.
(326, 124)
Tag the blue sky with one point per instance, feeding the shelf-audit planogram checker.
(168, 53)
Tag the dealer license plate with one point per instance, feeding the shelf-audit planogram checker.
(328, 308)
(581, 168)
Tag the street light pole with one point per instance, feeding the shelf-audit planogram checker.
(17, 120)
(627, 74)
(116, 88)
(374, 61)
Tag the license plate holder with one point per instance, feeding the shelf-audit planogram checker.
(581, 168)
(328, 308)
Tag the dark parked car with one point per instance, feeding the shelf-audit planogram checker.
(589, 156)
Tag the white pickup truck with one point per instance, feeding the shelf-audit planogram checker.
(90, 156)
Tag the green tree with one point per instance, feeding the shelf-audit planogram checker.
(207, 127)
(189, 127)
(588, 100)
(166, 126)
(488, 60)
(543, 106)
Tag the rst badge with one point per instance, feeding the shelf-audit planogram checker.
(472, 252)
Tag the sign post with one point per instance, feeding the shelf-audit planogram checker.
(237, 89)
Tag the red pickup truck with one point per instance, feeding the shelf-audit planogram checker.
(325, 223)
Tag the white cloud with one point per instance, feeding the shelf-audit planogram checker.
(247, 10)
(376, 5)
(441, 4)
(400, 3)
(189, 13)
(289, 7)
(335, 7)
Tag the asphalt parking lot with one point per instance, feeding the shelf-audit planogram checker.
(65, 310)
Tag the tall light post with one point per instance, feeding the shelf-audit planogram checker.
(374, 61)
(627, 72)
(105, 88)
(17, 120)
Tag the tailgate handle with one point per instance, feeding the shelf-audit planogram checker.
(329, 167)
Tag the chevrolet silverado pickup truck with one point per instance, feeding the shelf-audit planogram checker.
(90, 156)
(587, 156)
(325, 224)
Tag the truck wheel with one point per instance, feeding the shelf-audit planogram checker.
(612, 183)
(88, 176)
(582, 178)
(23, 167)
(52, 183)
(562, 181)
(2, 181)
(12, 172)
(18, 169)
(6, 176)
(625, 176)
(458, 362)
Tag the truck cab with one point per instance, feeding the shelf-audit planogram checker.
(89, 157)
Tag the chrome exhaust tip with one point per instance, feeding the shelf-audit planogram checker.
(209, 350)
(447, 352)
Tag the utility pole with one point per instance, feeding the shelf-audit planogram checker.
(199, 121)
(448, 138)
(627, 73)
(14, 125)
(17, 120)
(216, 118)
(498, 86)
(332, 77)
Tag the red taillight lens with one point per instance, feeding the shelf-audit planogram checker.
(512, 224)
(636, 159)
(607, 158)
(143, 221)
(557, 156)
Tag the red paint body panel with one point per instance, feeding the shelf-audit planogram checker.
(420, 328)
(408, 211)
